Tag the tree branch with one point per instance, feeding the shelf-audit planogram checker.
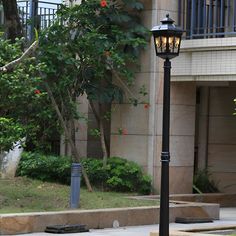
(26, 54)
(123, 84)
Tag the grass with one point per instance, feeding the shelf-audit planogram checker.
(27, 195)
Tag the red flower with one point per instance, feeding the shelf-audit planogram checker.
(146, 106)
(103, 3)
(124, 131)
(37, 91)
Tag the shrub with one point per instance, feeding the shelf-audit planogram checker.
(96, 172)
(119, 174)
(45, 167)
(202, 182)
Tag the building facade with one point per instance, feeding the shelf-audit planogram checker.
(203, 86)
(203, 128)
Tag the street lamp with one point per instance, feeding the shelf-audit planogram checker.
(167, 39)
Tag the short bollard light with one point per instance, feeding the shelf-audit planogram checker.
(76, 170)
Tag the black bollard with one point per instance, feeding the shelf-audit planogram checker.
(75, 185)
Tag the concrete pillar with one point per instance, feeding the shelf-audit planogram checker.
(182, 132)
(138, 141)
(81, 131)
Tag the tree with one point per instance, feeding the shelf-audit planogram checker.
(91, 49)
(106, 39)
(13, 25)
(22, 100)
(11, 132)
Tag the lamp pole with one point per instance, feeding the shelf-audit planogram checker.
(167, 38)
(165, 154)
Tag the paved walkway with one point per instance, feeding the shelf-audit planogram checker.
(227, 218)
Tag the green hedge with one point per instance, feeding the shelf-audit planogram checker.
(119, 174)
(45, 167)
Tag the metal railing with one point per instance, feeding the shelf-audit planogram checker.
(34, 14)
(207, 18)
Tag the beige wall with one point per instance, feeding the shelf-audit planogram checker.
(206, 60)
(211, 64)
(144, 126)
(202, 62)
(81, 131)
(222, 137)
(182, 132)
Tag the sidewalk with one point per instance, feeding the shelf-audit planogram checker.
(227, 218)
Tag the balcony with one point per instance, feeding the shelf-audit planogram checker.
(207, 18)
(34, 14)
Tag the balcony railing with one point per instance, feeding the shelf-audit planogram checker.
(207, 18)
(35, 14)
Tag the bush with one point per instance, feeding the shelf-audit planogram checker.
(118, 175)
(96, 172)
(202, 182)
(45, 167)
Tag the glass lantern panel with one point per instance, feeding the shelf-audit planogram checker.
(177, 41)
(171, 43)
(163, 44)
(176, 44)
(158, 43)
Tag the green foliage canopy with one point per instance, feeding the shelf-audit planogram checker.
(80, 53)
(88, 44)
(10, 133)
(22, 101)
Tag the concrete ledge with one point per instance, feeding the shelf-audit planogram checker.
(197, 231)
(13, 224)
(224, 199)
(181, 233)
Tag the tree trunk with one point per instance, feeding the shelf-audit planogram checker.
(75, 153)
(102, 136)
(99, 118)
(13, 25)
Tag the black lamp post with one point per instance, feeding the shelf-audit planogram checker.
(167, 38)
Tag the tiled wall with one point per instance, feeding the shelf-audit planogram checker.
(206, 59)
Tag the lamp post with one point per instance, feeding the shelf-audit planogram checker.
(167, 38)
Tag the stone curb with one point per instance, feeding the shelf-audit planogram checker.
(13, 224)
